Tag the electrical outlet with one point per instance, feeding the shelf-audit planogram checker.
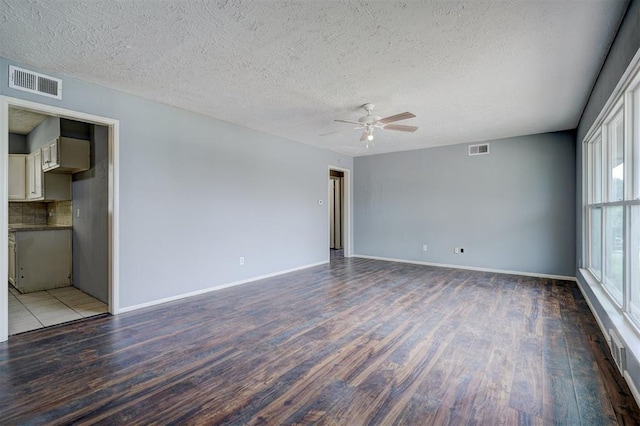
(424, 247)
(77, 212)
(242, 261)
(461, 250)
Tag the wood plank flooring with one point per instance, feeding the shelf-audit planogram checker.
(350, 343)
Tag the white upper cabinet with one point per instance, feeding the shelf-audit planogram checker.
(66, 155)
(34, 176)
(17, 177)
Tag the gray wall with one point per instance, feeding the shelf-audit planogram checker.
(17, 144)
(45, 132)
(197, 193)
(512, 209)
(90, 230)
(625, 46)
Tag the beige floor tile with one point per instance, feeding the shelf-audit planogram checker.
(17, 309)
(50, 307)
(36, 303)
(81, 300)
(70, 295)
(61, 319)
(88, 305)
(16, 327)
(63, 290)
(53, 312)
(49, 310)
(32, 297)
(20, 316)
(91, 312)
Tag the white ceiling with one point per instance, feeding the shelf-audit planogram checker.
(22, 121)
(470, 70)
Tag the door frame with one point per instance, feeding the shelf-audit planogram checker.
(114, 195)
(347, 232)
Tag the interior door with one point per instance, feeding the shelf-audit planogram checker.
(335, 213)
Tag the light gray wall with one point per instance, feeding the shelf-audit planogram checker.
(625, 46)
(90, 230)
(17, 144)
(45, 132)
(197, 193)
(512, 209)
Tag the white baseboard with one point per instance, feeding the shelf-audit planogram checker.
(218, 287)
(603, 329)
(632, 386)
(471, 268)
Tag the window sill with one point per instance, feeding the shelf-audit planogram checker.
(618, 320)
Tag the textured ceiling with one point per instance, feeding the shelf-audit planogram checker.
(22, 121)
(470, 70)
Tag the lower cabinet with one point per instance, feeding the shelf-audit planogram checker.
(42, 259)
(12, 258)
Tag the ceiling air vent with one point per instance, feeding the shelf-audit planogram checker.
(479, 149)
(34, 82)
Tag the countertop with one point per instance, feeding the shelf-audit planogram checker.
(34, 227)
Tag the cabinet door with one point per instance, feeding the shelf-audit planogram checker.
(12, 262)
(34, 176)
(37, 171)
(46, 157)
(17, 176)
(54, 157)
(50, 155)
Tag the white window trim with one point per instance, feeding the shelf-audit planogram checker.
(624, 96)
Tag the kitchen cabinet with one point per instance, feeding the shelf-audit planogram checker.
(34, 176)
(27, 182)
(66, 155)
(17, 177)
(12, 257)
(41, 259)
(44, 186)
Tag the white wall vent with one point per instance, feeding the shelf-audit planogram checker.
(618, 351)
(481, 149)
(33, 82)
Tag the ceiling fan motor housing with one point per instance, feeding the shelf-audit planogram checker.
(369, 119)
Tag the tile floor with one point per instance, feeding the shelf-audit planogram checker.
(44, 308)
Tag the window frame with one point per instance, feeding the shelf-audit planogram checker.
(624, 104)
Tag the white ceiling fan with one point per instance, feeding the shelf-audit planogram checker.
(369, 122)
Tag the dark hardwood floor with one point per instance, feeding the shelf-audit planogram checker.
(354, 342)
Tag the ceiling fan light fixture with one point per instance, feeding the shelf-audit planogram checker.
(370, 137)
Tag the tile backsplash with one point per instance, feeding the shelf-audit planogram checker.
(56, 213)
(31, 213)
(60, 213)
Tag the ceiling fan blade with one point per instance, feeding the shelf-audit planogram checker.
(364, 136)
(331, 133)
(397, 117)
(400, 127)
(348, 121)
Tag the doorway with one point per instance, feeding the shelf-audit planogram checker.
(339, 219)
(104, 131)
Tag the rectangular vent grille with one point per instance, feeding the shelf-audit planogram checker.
(33, 82)
(618, 351)
(479, 149)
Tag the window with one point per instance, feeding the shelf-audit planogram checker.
(612, 208)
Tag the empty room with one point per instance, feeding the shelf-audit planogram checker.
(320, 212)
